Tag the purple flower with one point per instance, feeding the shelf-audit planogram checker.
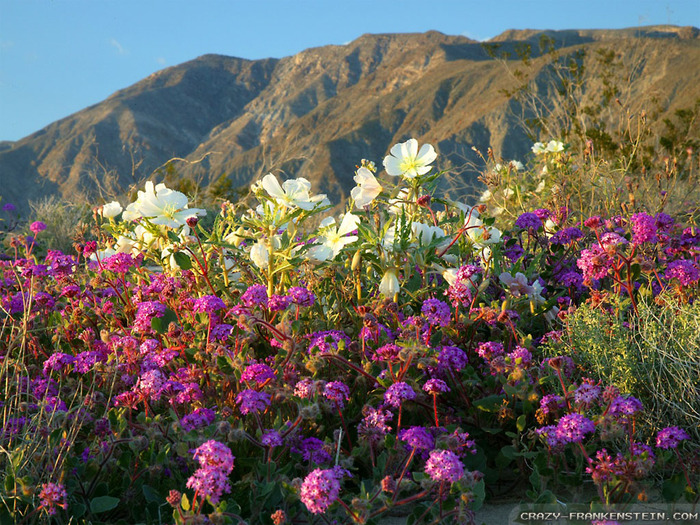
(277, 303)
(417, 437)
(9, 207)
(490, 349)
(625, 406)
(208, 304)
(644, 228)
(200, 418)
(250, 401)
(271, 438)
(254, 296)
(528, 220)
(301, 296)
(388, 352)
(444, 465)
(551, 403)
(337, 392)
(216, 455)
(436, 312)
(572, 428)
(594, 262)
(373, 426)
(305, 388)
(119, 263)
(684, 270)
(398, 393)
(566, 236)
(37, 227)
(327, 341)
(220, 332)
(435, 386)
(320, 489)
(550, 436)
(53, 495)
(586, 394)
(452, 358)
(313, 450)
(209, 483)
(257, 373)
(670, 437)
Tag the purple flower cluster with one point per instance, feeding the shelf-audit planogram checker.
(251, 401)
(444, 465)
(644, 228)
(337, 392)
(417, 437)
(211, 479)
(670, 437)
(200, 418)
(53, 495)
(436, 312)
(208, 304)
(301, 296)
(528, 221)
(320, 489)
(255, 295)
(686, 271)
(398, 393)
(257, 373)
(572, 428)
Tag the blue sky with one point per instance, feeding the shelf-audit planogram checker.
(59, 56)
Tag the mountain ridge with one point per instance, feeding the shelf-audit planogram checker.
(316, 113)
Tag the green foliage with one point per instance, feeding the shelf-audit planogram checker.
(656, 356)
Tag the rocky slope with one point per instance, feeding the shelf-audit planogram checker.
(317, 113)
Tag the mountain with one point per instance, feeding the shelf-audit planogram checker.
(317, 113)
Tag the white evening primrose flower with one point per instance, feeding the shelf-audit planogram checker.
(161, 206)
(407, 161)
(486, 196)
(517, 284)
(293, 193)
(389, 286)
(555, 146)
(516, 165)
(334, 239)
(396, 206)
(260, 254)
(540, 187)
(425, 233)
(538, 148)
(111, 210)
(367, 188)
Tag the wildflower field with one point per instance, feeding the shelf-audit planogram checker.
(269, 363)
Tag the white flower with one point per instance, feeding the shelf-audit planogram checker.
(396, 206)
(293, 193)
(479, 234)
(102, 254)
(405, 160)
(554, 146)
(538, 148)
(485, 196)
(162, 206)
(517, 285)
(425, 233)
(260, 255)
(334, 239)
(390, 284)
(367, 188)
(539, 187)
(111, 210)
(516, 165)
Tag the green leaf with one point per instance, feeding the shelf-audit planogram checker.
(77, 510)
(489, 403)
(151, 495)
(103, 504)
(182, 260)
(185, 503)
(521, 422)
